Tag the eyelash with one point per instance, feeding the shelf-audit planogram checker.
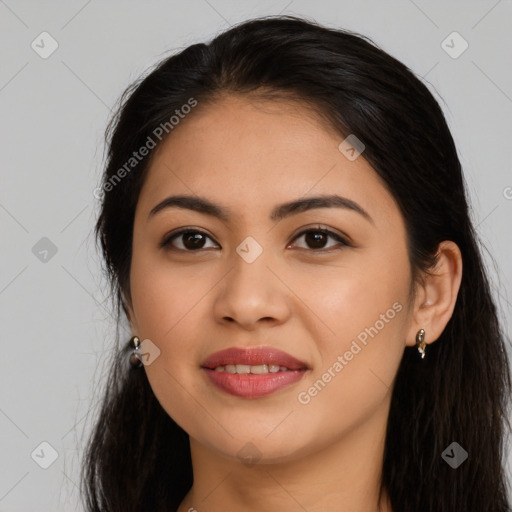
(166, 242)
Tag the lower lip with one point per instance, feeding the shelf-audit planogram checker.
(253, 385)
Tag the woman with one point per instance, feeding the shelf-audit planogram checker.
(285, 225)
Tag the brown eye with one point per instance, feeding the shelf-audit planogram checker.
(317, 238)
(191, 240)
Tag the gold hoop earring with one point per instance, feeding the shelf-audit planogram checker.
(420, 342)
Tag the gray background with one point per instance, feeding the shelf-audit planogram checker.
(56, 325)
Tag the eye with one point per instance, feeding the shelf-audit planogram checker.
(191, 240)
(317, 237)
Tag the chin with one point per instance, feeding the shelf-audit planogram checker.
(259, 448)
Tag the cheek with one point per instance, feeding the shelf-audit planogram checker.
(359, 324)
(163, 295)
(360, 360)
(368, 292)
(169, 306)
(172, 306)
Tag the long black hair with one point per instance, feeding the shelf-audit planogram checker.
(138, 458)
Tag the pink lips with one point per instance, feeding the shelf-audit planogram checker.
(253, 356)
(253, 385)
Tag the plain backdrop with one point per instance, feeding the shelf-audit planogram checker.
(56, 324)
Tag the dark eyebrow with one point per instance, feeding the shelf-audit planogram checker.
(280, 212)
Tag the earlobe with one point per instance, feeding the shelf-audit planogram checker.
(437, 294)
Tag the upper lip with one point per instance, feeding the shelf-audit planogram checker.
(253, 357)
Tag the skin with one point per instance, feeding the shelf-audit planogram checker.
(309, 300)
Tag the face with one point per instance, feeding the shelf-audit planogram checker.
(319, 288)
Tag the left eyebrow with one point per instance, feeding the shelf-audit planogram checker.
(279, 212)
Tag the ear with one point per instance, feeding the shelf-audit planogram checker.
(436, 294)
(130, 314)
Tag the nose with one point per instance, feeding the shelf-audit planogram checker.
(252, 294)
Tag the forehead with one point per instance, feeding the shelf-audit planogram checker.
(246, 152)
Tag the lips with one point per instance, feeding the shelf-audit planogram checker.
(253, 357)
(253, 373)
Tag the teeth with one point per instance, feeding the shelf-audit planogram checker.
(261, 368)
(245, 369)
